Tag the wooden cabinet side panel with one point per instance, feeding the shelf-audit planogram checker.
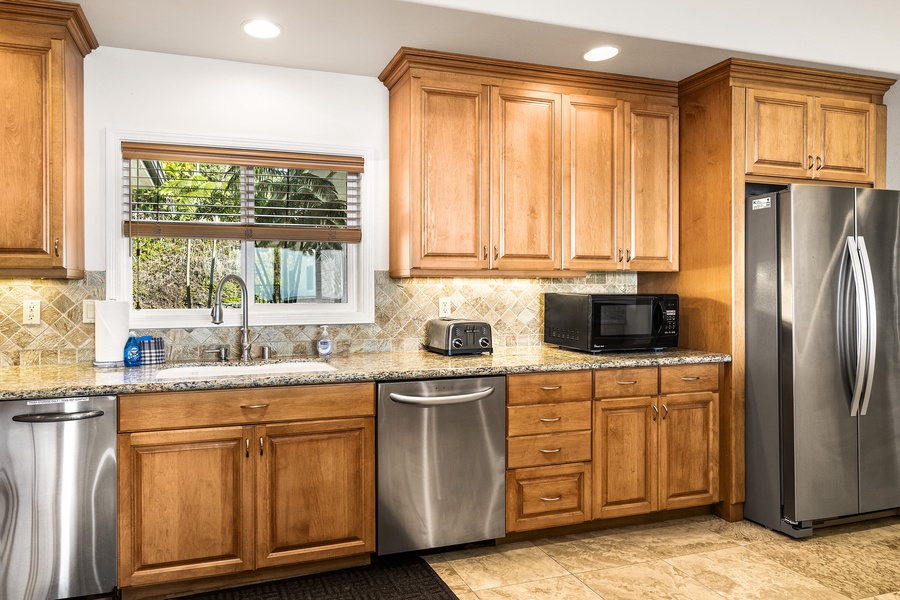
(526, 179)
(779, 134)
(625, 457)
(401, 167)
(845, 136)
(316, 491)
(689, 450)
(651, 198)
(450, 215)
(185, 507)
(592, 182)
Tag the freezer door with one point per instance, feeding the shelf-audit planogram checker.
(819, 444)
(878, 221)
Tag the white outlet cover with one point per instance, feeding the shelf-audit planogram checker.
(444, 307)
(87, 311)
(31, 312)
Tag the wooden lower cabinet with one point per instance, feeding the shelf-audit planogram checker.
(548, 496)
(657, 452)
(314, 495)
(211, 501)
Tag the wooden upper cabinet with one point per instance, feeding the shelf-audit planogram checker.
(593, 184)
(510, 169)
(526, 185)
(42, 48)
(651, 188)
(810, 137)
(450, 224)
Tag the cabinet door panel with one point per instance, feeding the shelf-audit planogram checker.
(316, 491)
(526, 194)
(592, 179)
(185, 504)
(450, 227)
(625, 457)
(29, 228)
(689, 450)
(651, 197)
(845, 132)
(779, 134)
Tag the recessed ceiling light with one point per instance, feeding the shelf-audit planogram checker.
(601, 53)
(260, 28)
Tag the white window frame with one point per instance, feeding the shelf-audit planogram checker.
(360, 305)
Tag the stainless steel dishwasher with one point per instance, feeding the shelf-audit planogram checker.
(441, 463)
(57, 498)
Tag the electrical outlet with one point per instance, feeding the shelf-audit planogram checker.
(31, 312)
(87, 311)
(444, 308)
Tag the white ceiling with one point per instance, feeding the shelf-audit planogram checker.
(658, 38)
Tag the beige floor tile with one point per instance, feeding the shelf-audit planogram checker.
(657, 579)
(680, 539)
(483, 550)
(859, 563)
(743, 572)
(558, 588)
(891, 596)
(506, 567)
(449, 575)
(466, 595)
(744, 532)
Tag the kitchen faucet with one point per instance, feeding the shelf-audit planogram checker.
(218, 316)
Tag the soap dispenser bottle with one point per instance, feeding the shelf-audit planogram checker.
(325, 346)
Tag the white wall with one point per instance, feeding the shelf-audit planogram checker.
(163, 93)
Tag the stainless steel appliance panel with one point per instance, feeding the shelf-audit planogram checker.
(878, 223)
(57, 498)
(441, 476)
(820, 435)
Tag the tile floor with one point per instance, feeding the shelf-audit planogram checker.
(698, 558)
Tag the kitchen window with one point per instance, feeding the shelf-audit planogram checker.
(293, 223)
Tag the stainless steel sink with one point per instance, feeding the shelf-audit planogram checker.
(234, 370)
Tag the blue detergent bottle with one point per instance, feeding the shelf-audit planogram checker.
(132, 352)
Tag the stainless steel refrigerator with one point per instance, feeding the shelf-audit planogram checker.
(823, 355)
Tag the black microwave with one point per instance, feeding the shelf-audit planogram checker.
(602, 322)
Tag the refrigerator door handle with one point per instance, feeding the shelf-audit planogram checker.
(862, 332)
(870, 322)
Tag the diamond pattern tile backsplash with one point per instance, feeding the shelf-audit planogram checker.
(513, 307)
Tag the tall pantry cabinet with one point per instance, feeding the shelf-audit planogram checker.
(747, 126)
(42, 49)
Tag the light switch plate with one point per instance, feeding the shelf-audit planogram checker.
(31, 312)
(87, 311)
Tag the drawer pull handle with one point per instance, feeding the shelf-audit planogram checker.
(690, 378)
(666, 414)
(655, 412)
(549, 420)
(249, 406)
(626, 382)
(260, 446)
(248, 447)
(551, 499)
(546, 451)
(551, 387)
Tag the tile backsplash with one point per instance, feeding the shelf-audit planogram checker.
(513, 307)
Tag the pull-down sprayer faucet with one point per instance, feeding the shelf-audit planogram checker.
(218, 313)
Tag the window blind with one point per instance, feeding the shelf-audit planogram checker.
(228, 193)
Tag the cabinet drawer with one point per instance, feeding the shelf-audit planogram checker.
(689, 378)
(547, 497)
(540, 388)
(551, 449)
(548, 418)
(179, 410)
(625, 383)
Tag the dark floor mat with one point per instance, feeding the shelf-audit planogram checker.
(401, 578)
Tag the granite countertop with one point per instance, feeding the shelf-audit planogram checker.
(24, 382)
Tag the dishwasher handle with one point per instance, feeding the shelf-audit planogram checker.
(441, 400)
(58, 417)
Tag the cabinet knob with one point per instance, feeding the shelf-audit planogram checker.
(496, 253)
(628, 255)
(620, 255)
(260, 446)
(819, 163)
(56, 247)
(666, 414)
(484, 254)
(810, 166)
(655, 412)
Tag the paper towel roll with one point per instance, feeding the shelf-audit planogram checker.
(110, 331)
